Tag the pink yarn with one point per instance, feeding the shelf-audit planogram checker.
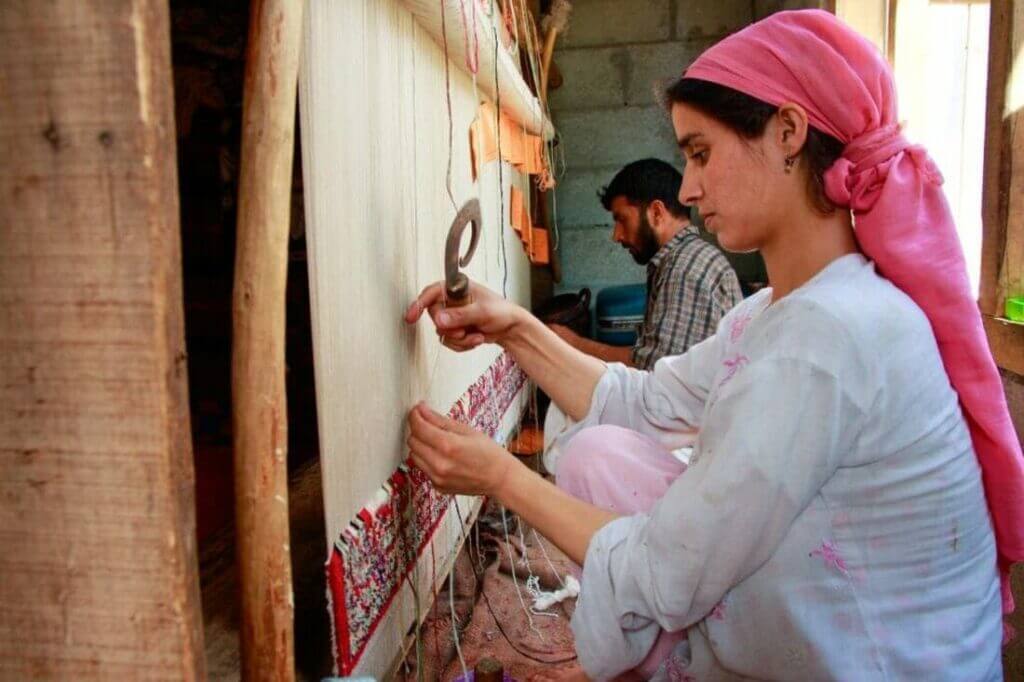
(902, 219)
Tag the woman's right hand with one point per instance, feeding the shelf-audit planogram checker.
(488, 319)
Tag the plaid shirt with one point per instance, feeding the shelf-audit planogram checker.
(690, 287)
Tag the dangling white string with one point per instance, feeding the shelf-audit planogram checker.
(448, 100)
(525, 559)
(515, 580)
(501, 164)
(451, 602)
(561, 580)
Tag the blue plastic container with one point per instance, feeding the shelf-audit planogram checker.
(620, 312)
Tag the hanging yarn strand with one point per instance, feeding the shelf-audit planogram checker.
(501, 176)
(451, 601)
(472, 52)
(515, 580)
(448, 102)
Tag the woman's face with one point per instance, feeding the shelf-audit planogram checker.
(739, 186)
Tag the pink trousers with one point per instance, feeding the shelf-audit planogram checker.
(626, 472)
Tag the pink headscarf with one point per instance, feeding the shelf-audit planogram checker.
(902, 219)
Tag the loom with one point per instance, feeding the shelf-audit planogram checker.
(409, 109)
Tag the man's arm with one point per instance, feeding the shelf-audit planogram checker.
(601, 351)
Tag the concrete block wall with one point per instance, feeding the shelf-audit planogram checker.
(607, 113)
(763, 8)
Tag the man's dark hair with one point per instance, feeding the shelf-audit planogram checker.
(643, 182)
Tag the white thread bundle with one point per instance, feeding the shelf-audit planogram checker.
(543, 600)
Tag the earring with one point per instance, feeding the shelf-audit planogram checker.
(789, 164)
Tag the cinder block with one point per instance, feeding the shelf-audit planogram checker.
(590, 258)
(763, 8)
(620, 76)
(615, 22)
(711, 18)
(577, 204)
(614, 137)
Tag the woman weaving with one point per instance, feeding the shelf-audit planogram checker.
(832, 521)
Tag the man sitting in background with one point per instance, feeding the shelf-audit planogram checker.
(690, 284)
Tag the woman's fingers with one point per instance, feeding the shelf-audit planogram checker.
(424, 430)
(423, 455)
(432, 294)
(453, 325)
(456, 457)
(462, 317)
(438, 467)
(461, 345)
(442, 422)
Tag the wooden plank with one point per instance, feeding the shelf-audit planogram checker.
(259, 412)
(999, 131)
(1011, 272)
(97, 524)
(1006, 339)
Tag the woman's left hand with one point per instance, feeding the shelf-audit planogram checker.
(456, 457)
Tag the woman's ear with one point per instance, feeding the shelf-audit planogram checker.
(792, 128)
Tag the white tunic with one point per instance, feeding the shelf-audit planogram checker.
(832, 523)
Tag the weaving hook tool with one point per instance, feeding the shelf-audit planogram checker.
(456, 284)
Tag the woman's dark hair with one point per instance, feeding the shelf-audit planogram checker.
(748, 116)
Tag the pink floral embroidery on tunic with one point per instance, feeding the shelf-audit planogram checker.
(738, 326)
(829, 553)
(733, 365)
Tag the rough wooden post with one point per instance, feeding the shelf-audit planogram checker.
(98, 572)
(1002, 208)
(258, 381)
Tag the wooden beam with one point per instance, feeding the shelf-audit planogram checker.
(999, 132)
(1011, 268)
(1006, 339)
(97, 523)
(258, 361)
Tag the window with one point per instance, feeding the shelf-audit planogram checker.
(940, 56)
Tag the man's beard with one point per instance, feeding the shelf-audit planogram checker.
(648, 242)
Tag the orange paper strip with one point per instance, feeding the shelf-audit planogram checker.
(539, 252)
(516, 210)
(522, 150)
